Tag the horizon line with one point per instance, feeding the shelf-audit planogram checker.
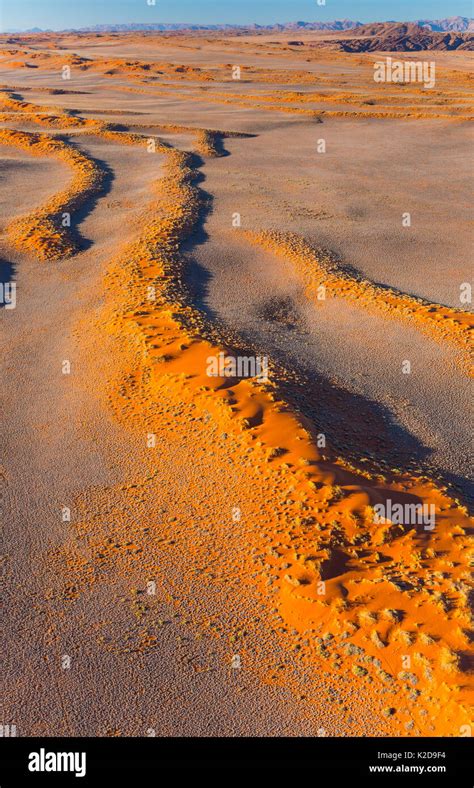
(239, 25)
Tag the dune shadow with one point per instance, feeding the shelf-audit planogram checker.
(219, 146)
(7, 270)
(197, 277)
(359, 427)
(79, 214)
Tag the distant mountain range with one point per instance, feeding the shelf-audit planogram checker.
(459, 24)
(401, 37)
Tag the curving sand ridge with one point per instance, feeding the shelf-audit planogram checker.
(319, 268)
(45, 231)
(17, 109)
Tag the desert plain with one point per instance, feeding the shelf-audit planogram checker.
(196, 555)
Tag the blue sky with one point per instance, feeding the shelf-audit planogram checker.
(60, 14)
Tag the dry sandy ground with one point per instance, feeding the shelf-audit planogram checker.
(159, 659)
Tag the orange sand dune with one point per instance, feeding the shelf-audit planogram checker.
(45, 231)
(320, 269)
